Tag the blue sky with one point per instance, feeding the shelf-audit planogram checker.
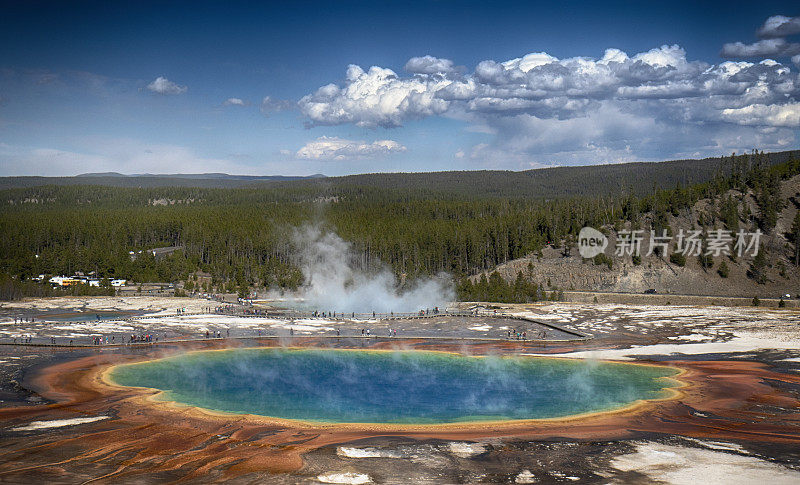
(350, 87)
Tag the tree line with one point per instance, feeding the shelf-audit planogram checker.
(243, 237)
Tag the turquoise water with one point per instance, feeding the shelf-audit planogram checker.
(84, 316)
(393, 387)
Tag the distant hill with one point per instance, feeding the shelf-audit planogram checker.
(592, 180)
(114, 179)
(102, 174)
(201, 176)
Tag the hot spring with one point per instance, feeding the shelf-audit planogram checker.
(356, 386)
(85, 316)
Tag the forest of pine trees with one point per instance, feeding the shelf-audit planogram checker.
(243, 236)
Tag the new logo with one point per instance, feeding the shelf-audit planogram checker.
(591, 242)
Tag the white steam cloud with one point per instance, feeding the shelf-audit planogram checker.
(335, 280)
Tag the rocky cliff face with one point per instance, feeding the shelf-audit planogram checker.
(552, 269)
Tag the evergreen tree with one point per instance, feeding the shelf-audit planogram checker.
(795, 238)
(482, 289)
(758, 267)
(677, 258)
(706, 260)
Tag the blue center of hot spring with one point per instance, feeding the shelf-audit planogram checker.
(394, 387)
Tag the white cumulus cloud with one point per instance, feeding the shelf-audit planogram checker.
(661, 83)
(773, 43)
(777, 47)
(757, 114)
(377, 97)
(779, 26)
(234, 102)
(617, 107)
(162, 85)
(340, 149)
(430, 65)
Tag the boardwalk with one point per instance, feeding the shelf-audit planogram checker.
(351, 323)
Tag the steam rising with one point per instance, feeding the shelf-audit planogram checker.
(336, 280)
